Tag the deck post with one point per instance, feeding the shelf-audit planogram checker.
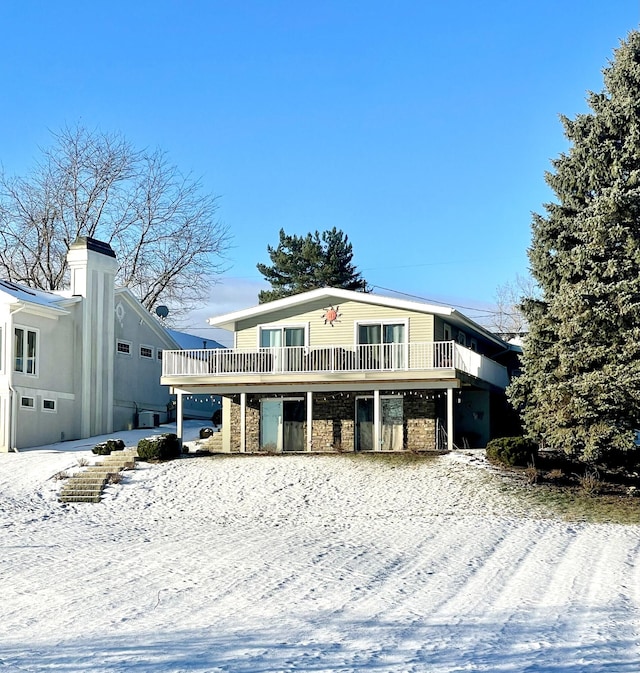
(243, 422)
(376, 420)
(179, 417)
(309, 421)
(449, 419)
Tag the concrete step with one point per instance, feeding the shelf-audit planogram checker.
(79, 498)
(88, 485)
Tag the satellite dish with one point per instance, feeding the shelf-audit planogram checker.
(162, 311)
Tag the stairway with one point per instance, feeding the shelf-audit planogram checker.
(87, 485)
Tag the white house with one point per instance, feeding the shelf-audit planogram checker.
(80, 362)
(335, 370)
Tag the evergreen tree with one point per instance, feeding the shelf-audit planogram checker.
(305, 263)
(580, 388)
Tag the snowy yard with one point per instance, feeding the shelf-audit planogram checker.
(306, 563)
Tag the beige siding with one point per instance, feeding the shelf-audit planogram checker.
(343, 329)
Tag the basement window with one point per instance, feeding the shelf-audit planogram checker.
(48, 405)
(27, 402)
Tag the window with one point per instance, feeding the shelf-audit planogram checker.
(382, 345)
(48, 405)
(447, 333)
(273, 337)
(462, 338)
(291, 337)
(123, 347)
(159, 353)
(473, 345)
(146, 352)
(27, 402)
(25, 348)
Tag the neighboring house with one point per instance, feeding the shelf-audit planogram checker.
(336, 370)
(80, 362)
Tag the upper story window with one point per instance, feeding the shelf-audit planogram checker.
(473, 345)
(446, 330)
(123, 347)
(25, 351)
(382, 344)
(146, 352)
(462, 338)
(274, 337)
(382, 333)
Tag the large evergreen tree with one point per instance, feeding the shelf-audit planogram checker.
(302, 263)
(580, 388)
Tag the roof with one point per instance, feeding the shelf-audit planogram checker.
(191, 341)
(40, 301)
(333, 295)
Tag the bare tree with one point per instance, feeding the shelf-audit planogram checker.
(508, 319)
(161, 224)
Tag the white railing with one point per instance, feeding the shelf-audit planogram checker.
(301, 360)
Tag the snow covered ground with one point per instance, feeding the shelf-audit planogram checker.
(306, 563)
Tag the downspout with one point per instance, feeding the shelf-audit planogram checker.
(13, 395)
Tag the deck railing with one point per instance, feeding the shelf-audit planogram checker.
(301, 360)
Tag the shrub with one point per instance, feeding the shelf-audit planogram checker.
(512, 451)
(159, 447)
(105, 448)
(590, 482)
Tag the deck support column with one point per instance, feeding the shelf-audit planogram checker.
(449, 419)
(376, 420)
(309, 421)
(179, 417)
(243, 422)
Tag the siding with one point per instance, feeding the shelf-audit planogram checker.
(342, 331)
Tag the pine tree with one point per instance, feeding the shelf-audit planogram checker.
(580, 388)
(305, 263)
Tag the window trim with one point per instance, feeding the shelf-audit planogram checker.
(147, 347)
(26, 330)
(123, 342)
(52, 410)
(282, 326)
(382, 322)
(32, 406)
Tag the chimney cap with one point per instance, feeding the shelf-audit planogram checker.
(93, 244)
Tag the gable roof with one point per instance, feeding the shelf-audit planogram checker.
(334, 295)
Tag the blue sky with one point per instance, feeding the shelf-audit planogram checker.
(421, 129)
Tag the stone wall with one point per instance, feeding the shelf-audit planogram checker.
(334, 422)
(420, 423)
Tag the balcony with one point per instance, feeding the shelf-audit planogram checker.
(300, 362)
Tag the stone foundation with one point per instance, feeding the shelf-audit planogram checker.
(334, 422)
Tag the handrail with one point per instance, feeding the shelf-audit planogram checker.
(300, 360)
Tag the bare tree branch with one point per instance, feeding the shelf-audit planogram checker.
(161, 224)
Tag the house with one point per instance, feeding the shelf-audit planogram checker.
(336, 370)
(80, 362)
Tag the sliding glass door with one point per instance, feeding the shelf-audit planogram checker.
(391, 416)
(282, 425)
(382, 345)
(282, 343)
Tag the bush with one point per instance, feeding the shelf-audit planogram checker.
(160, 447)
(512, 451)
(105, 448)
